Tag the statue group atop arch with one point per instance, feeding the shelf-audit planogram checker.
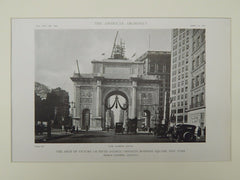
(143, 82)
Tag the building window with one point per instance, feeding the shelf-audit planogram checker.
(152, 68)
(180, 111)
(197, 81)
(197, 62)
(193, 64)
(194, 44)
(175, 32)
(164, 68)
(203, 36)
(179, 77)
(193, 83)
(203, 57)
(192, 101)
(202, 99)
(160, 68)
(198, 41)
(202, 78)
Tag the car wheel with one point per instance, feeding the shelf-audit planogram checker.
(187, 137)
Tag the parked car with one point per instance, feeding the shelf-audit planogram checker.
(184, 132)
(161, 130)
(119, 128)
(132, 126)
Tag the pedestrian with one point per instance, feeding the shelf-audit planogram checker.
(199, 131)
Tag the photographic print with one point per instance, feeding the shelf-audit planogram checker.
(120, 86)
(120, 89)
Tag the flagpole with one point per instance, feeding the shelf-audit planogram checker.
(149, 39)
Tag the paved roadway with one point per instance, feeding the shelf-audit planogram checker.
(108, 137)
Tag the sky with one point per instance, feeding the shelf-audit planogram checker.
(56, 51)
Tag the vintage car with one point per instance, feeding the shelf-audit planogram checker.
(119, 128)
(132, 126)
(184, 132)
(160, 130)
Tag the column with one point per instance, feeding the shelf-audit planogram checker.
(98, 99)
(134, 99)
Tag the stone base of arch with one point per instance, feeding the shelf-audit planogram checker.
(96, 124)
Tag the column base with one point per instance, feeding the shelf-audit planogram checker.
(96, 124)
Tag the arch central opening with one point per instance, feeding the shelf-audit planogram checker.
(116, 109)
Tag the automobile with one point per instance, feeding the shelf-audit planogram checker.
(132, 126)
(184, 132)
(161, 130)
(119, 128)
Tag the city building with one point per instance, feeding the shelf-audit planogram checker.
(196, 100)
(180, 60)
(188, 76)
(157, 64)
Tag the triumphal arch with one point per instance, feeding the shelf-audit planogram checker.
(143, 82)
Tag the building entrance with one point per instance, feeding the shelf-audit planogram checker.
(116, 108)
(86, 119)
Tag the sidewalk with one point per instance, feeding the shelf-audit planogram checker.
(55, 133)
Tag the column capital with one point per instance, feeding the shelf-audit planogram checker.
(134, 84)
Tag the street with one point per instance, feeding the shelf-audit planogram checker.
(107, 137)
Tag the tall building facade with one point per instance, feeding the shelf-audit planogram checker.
(181, 56)
(188, 76)
(196, 101)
